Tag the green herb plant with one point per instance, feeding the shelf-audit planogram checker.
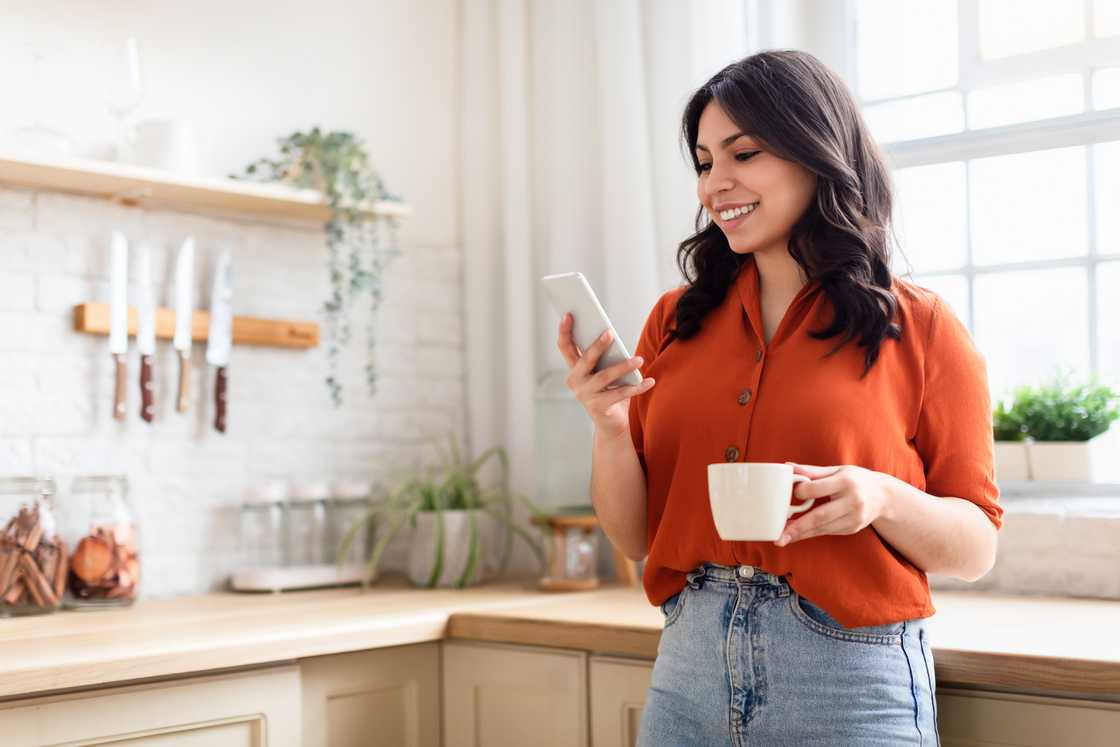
(451, 486)
(1057, 410)
(336, 164)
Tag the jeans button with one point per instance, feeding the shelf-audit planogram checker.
(746, 571)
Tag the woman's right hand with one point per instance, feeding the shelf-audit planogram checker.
(609, 408)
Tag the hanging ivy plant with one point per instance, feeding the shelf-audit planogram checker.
(358, 251)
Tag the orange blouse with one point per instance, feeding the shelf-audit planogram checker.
(922, 414)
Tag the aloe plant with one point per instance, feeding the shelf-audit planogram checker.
(450, 486)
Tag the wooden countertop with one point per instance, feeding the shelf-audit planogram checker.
(1042, 644)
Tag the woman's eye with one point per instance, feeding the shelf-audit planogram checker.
(741, 157)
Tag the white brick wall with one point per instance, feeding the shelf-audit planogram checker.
(187, 480)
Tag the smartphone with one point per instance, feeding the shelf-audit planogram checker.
(570, 292)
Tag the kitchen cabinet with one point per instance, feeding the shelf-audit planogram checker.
(618, 694)
(372, 698)
(969, 718)
(498, 695)
(255, 708)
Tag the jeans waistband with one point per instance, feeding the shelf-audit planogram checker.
(746, 575)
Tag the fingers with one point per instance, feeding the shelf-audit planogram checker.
(820, 488)
(603, 378)
(824, 520)
(566, 344)
(600, 403)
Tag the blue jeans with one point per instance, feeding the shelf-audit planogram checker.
(746, 660)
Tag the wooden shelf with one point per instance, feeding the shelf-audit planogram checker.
(93, 318)
(138, 185)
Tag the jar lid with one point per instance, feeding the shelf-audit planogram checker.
(269, 491)
(347, 489)
(309, 490)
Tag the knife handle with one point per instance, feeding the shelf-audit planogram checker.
(147, 409)
(184, 383)
(120, 393)
(220, 400)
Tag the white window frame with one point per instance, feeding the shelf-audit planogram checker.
(1085, 129)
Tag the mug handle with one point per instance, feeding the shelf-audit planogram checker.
(804, 506)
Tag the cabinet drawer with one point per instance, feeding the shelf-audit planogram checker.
(258, 708)
(978, 719)
(618, 695)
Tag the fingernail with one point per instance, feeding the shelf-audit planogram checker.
(639, 360)
(606, 335)
(784, 539)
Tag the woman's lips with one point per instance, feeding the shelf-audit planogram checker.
(735, 222)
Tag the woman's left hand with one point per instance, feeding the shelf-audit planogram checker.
(858, 497)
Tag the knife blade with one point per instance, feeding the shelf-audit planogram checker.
(221, 335)
(146, 334)
(118, 318)
(184, 279)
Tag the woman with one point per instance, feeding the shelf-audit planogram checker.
(792, 342)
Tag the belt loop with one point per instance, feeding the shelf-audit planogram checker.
(695, 578)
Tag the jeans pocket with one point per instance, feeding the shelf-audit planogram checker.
(819, 621)
(672, 607)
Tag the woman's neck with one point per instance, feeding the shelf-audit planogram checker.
(780, 277)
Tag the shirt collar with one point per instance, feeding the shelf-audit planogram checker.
(748, 286)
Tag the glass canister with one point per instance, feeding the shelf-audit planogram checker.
(350, 501)
(307, 524)
(33, 557)
(572, 553)
(101, 527)
(262, 525)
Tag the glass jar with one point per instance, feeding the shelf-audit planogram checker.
(572, 552)
(33, 558)
(262, 526)
(307, 524)
(101, 527)
(350, 502)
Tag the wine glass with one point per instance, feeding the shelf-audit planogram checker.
(124, 90)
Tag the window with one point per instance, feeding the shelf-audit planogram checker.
(1001, 120)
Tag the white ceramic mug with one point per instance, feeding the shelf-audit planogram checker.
(751, 500)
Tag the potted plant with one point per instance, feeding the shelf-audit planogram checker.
(1012, 459)
(1065, 425)
(455, 523)
(337, 164)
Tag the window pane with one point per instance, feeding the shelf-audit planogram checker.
(1106, 87)
(1108, 320)
(1023, 339)
(952, 288)
(1106, 17)
(1026, 101)
(905, 47)
(921, 116)
(1106, 170)
(929, 216)
(1010, 27)
(1028, 206)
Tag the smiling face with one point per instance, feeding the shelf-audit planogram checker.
(751, 194)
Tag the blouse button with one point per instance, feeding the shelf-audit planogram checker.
(731, 454)
(745, 397)
(758, 354)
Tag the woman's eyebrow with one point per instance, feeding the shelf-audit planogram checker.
(724, 143)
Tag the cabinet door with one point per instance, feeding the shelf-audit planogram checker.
(511, 696)
(372, 698)
(970, 718)
(618, 694)
(258, 708)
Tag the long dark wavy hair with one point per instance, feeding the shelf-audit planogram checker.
(802, 112)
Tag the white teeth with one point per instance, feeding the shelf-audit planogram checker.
(736, 212)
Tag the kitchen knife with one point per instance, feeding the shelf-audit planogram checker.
(118, 318)
(184, 277)
(146, 335)
(221, 335)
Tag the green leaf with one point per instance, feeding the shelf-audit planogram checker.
(437, 562)
(472, 551)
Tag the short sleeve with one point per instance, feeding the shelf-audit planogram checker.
(650, 342)
(954, 435)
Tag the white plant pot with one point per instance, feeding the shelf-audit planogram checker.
(1095, 460)
(1012, 461)
(456, 547)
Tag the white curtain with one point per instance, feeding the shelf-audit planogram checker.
(571, 162)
